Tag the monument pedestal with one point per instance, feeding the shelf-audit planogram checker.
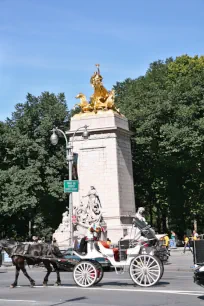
(105, 162)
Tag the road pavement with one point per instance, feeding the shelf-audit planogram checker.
(175, 288)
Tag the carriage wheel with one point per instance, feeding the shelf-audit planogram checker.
(100, 273)
(85, 274)
(145, 270)
(162, 267)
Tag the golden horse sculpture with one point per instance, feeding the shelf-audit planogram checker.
(101, 98)
(84, 105)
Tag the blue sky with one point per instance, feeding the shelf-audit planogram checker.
(53, 45)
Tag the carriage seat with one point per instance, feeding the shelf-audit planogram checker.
(105, 244)
(105, 250)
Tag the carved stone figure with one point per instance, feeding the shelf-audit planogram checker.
(81, 213)
(94, 205)
(87, 214)
(90, 212)
(65, 222)
(139, 214)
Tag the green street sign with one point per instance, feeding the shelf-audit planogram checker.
(71, 186)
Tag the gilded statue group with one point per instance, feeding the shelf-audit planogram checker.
(102, 99)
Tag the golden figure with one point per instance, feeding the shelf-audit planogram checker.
(84, 105)
(102, 99)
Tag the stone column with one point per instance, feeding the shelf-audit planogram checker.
(105, 162)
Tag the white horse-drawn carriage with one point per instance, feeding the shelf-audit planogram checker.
(145, 268)
(138, 255)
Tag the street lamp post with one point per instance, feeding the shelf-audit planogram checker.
(69, 160)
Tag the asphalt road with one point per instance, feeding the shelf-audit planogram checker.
(175, 288)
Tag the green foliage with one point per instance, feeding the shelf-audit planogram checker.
(166, 110)
(31, 169)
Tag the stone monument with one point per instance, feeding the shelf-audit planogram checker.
(104, 165)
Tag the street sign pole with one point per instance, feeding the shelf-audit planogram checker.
(69, 158)
(69, 187)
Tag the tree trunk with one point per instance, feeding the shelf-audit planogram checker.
(151, 214)
(164, 226)
(158, 219)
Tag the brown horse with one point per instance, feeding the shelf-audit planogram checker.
(32, 254)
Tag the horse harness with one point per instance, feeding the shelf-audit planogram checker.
(25, 250)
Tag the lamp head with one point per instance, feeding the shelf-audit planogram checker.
(54, 138)
(85, 132)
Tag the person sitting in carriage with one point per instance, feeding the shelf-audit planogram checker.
(93, 233)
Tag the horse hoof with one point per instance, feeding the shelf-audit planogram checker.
(57, 284)
(12, 286)
(44, 284)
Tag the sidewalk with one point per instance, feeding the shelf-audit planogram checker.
(176, 249)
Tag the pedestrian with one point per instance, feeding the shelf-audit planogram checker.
(186, 244)
(166, 239)
(173, 238)
(195, 235)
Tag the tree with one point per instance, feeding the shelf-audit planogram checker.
(32, 170)
(165, 109)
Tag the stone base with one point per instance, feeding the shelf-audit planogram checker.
(115, 233)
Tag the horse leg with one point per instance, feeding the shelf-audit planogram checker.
(49, 270)
(58, 282)
(16, 277)
(23, 269)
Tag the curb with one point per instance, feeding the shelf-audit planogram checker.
(185, 270)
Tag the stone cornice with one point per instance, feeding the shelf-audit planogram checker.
(102, 131)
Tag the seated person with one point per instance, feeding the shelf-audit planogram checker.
(83, 245)
(93, 233)
(108, 241)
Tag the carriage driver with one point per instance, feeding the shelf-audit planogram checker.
(93, 233)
